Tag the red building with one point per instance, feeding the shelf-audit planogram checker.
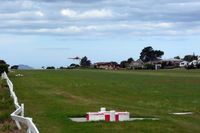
(107, 65)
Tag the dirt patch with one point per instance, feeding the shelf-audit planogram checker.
(9, 126)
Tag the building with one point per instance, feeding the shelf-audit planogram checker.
(155, 62)
(171, 63)
(136, 64)
(104, 115)
(183, 64)
(194, 62)
(107, 65)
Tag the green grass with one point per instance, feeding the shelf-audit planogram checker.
(52, 96)
(7, 125)
(6, 103)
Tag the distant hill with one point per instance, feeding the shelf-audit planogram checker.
(24, 67)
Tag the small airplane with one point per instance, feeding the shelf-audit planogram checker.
(75, 58)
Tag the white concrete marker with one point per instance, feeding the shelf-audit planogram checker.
(112, 116)
(183, 113)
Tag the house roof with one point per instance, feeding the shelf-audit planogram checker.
(174, 60)
(105, 63)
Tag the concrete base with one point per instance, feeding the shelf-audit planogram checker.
(183, 113)
(82, 119)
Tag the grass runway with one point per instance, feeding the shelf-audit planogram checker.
(52, 96)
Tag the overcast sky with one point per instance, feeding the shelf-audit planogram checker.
(47, 32)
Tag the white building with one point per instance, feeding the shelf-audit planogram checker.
(108, 115)
(184, 64)
(194, 62)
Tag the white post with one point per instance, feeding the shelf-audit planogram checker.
(103, 109)
(112, 115)
(18, 125)
(22, 107)
(29, 130)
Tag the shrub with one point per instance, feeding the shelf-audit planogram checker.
(198, 66)
(190, 66)
(73, 66)
(14, 67)
(50, 67)
(138, 68)
(149, 66)
(2, 62)
(63, 67)
(168, 65)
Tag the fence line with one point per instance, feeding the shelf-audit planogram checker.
(18, 114)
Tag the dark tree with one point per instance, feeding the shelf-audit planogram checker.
(149, 54)
(85, 62)
(74, 65)
(50, 67)
(124, 64)
(14, 67)
(3, 67)
(190, 58)
(63, 67)
(2, 62)
(177, 57)
(130, 60)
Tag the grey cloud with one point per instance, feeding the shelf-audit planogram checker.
(128, 18)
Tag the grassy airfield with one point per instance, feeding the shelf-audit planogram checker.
(52, 96)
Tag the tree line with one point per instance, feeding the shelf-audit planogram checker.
(147, 54)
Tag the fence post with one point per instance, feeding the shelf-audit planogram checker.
(18, 125)
(22, 107)
(28, 121)
(29, 130)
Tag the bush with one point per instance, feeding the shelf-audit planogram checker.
(4, 68)
(73, 66)
(2, 62)
(14, 67)
(168, 65)
(198, 66)
(50, 67)
(138, 68)
(149, 66)
(190, 66)
(63, 67)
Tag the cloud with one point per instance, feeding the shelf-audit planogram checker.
(136, 28)
(21, 15)
(68, 12)
(100, 18)
(27, 4)
(87, 14)
(97, 14)
(39, 13)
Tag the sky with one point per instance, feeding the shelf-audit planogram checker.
(48, 32)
